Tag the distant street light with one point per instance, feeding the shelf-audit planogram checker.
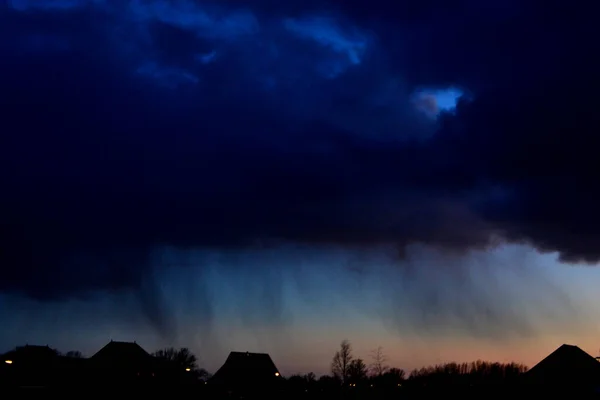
(276, 373)
(8, 361)
(188, 369)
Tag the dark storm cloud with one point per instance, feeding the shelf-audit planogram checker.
(127, 126)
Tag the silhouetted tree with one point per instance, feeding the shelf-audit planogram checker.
(357, 371)
(341, 362)
(183, 357)
(74, 354)
(397, 373)
(378, 364)
(202, 374)
(391, 379)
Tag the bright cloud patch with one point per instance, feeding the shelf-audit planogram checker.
(432, 102)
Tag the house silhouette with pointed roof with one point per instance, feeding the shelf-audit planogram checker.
(36, 366)
(119, 354)
(566, 367)
(247, 371)
(121, 363)
(115, 364)
(32, 354)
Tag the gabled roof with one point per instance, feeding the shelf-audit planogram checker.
(121, 354)
(32, 354)
(257, 368)
(567, 365)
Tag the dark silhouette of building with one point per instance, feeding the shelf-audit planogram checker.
(122, 363)
(567, 368)
(248, 373)
(32, 366)
(116, 364)
(127, 363)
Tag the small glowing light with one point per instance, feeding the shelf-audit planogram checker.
(188, 369)
(276, 373)
(8, 361)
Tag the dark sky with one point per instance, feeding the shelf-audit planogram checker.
(148, 142)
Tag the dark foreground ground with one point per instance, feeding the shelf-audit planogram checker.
(213, 393)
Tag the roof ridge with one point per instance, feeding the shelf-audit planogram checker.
(573, 352)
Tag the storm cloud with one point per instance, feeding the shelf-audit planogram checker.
(131, 126)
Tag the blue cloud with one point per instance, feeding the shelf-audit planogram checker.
(128, 126)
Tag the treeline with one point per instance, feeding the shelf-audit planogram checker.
(351, 375)
(474, 373)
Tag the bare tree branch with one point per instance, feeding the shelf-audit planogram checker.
(340, 365)
(182, 357)
(378, 365)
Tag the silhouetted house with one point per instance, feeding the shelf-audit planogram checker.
(568, 367)
(30, 366)
(247, 372)
(122, 363)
